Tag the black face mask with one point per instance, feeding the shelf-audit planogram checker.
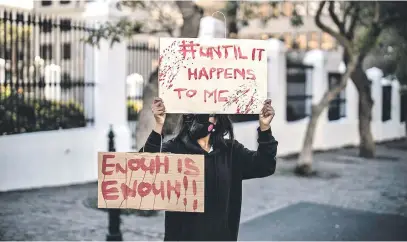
(199, 126)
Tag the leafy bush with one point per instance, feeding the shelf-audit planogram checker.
(19, 114)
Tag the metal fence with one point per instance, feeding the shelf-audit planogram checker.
(42, 73)
(142, 59)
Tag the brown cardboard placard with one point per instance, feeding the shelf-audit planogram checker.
(225, 76)
(151, 181)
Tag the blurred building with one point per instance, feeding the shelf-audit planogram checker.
(275, 21)
(71, 8)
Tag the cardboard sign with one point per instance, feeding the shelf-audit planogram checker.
(148, 181)
(225, 76)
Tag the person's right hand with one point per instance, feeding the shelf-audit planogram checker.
(158, 109)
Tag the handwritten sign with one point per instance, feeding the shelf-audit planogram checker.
(148, 181)
(227, 76)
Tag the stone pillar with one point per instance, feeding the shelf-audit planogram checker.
(211, 27)
(109, 73)
(277, 79)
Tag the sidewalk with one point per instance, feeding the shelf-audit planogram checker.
(344, 180)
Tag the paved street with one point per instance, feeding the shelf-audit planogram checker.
(354, 193)
(312, 222)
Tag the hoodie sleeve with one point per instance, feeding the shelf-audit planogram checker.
(260, 163)
(155, 142)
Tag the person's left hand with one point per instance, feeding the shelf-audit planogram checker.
(266, 115)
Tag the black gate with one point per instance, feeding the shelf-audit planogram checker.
(42, 73)
(142, 59)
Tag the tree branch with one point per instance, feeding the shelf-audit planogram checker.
(332, 93)
(354, 19)
(369, 41)
(376, 13)
(340, 38)
(335, 18)
(347, 10)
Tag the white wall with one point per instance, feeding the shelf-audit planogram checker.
(49, 158)
(64, 157)
(329, 134)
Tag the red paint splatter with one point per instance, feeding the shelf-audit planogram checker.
(179, 165)
(169, 65)
(185, 203)
(194, 187)
(195, 205)
(245, 99)
(185, 184)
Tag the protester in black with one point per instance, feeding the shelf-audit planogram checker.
(227, 163)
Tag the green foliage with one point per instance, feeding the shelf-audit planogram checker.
(19, 114)
(124, 28)
(296, 20)
(401, 54)
(160, 21)
(390, 54)
(230, 8)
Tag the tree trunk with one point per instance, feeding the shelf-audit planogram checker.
(192, 15)
(304, 165)
(405, 121)
(145, 122)
(231, 11)
(404, 92)
(367, 145)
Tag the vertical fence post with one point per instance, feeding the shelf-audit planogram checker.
(114, 214)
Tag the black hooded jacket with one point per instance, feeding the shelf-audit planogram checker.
(225, 168)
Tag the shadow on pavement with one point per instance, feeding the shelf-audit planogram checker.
(310, 221)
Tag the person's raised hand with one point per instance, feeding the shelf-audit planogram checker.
(158, 110)
(266, 115)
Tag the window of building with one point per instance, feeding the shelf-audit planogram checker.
(66, 51)
(403, 106)
(386, 103)
(301, 8)
(301, 40)
(45, 3)
(313, 41)
(288, 8)
(299, 92)
(46, 51)
(327, 42)
(275, 11)
(337, 107)
(288, 40)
